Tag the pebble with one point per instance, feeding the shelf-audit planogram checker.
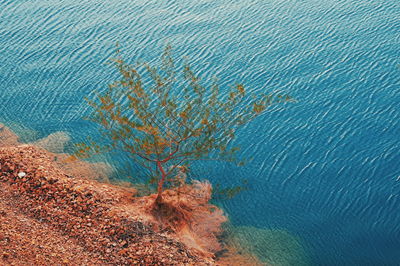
(65, 204)
(21, 174)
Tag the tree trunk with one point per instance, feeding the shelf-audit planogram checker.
(160, 183)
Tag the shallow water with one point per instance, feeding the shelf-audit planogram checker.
(269, 246)
(325, 169)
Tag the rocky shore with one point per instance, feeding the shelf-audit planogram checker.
(83, 210)
(54, 212)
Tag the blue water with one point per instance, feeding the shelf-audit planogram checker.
(326, 169)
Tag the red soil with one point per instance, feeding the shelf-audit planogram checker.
(80, 210)
(53, 212)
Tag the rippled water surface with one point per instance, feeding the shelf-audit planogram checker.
(326, 170)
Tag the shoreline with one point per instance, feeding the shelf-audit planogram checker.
(107, 220)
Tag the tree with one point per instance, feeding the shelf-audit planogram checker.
(164, 120)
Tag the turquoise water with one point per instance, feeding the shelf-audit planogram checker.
(326, 169)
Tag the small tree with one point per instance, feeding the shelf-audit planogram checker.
(163, 120)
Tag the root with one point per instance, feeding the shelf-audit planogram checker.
(186, 212)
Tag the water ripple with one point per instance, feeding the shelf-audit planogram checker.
(325, 168)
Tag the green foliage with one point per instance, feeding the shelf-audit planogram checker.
(223, 193)
(164, 120)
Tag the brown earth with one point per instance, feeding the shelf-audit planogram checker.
(82, 211)
(54, 212)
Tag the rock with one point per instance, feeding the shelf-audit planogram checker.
(21, 174)
(86, 211)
